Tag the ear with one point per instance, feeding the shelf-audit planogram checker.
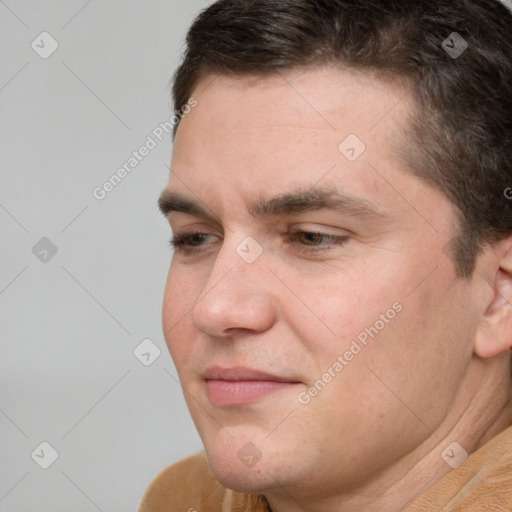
(494, 335)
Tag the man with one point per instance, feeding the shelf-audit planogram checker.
(339, 304)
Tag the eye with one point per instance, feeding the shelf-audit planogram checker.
(189, 241)
(314, 238)
(310, 240)
(307, 241)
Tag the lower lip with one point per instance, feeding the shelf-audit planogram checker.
(225, 393)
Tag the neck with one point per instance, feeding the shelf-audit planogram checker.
(481, 410)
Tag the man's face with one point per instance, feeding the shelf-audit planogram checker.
(318, 328)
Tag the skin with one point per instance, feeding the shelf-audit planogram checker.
(436, 373)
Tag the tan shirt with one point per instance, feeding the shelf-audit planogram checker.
(483, 483)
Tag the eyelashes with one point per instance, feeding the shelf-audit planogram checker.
(306, 241)
(313, 239)
(193, 239)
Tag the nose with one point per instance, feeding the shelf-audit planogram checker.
(236, 297)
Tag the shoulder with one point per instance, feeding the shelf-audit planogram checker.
(482, 482)
(183, 486)
(189, 486)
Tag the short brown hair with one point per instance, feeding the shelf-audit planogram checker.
(461, 137)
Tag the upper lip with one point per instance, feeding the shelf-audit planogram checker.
(241, 373)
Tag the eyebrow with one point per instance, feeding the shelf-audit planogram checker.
(170, 202)
(288, 204)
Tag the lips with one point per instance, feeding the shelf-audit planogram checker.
(239, 373)
(237, 386)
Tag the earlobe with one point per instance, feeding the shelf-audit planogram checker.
(494, 335)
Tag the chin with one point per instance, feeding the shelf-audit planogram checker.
(242, 467)
(233, 475)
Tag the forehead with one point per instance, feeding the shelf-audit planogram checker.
(257, 136)
(323, 97)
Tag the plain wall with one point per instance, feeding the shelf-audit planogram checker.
(70, 322)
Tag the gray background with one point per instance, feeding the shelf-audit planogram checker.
(70, 322)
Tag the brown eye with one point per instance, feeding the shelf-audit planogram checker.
(188, 241)
(197, 239)
(312, 238)
(313, 241)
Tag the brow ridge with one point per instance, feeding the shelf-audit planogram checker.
(286, 204)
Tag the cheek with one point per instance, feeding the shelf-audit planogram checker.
(336, 310)
(374, 322)
(181, 293)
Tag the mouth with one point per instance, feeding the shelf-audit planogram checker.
(237, 386)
